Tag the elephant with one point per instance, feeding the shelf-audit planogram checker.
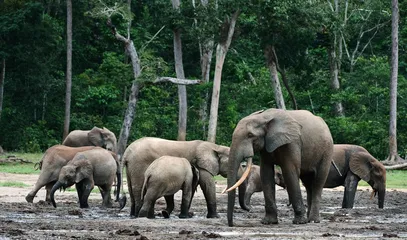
(210, 159)
(165, 177)
(296, 140)
(50, 165)
(354, 163)
(89, 168)
(254, 183)
(100, 137)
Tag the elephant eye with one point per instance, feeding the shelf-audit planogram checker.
(250, 135)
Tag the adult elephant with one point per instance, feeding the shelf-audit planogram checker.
(100, 137)
(50, 165)
(210, 159)
(355, 163)
(165, 177)
(299, 142)
(89, 168)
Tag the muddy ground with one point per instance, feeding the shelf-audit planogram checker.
(22, 220)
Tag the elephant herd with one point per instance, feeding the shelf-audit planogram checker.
(299, 142)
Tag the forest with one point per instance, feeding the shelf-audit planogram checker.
(334, 56)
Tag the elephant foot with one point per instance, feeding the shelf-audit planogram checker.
(269, 220)
(29, 198)
(165, 214)
(188, 215)
(314, 220)
(84, 205)
(212, 215)
(300, 220)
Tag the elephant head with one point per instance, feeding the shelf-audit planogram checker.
(372, 171)
(103, 137)
(72, 174)
(261, 131)
(213, 158)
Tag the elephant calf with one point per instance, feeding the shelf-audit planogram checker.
(87, 169)
(353, 162)
(164, 177)
(51, 163)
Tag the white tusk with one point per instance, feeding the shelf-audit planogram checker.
(241, 180)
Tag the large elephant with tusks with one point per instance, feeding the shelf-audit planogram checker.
(299, 142)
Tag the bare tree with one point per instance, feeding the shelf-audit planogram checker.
(206, 52)
(271, 61)
(68, 67)
(2, 79)
(179, 70)
(335, 58)
(393, 155)
(221, 51)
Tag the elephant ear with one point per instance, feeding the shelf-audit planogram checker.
(208, 158)
(84, 169)
(281, 129)
(360, 165)
(95, 136)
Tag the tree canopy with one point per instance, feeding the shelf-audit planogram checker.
(33, 45)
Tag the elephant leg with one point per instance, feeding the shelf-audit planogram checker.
(135, 182)
(170, 206)
(269, 191)
(43, 180)
(186, 201)
(291, 177)
(209, 190)
(84, 188)
(316, 187)
(48, 188)
(107, 199)
(147, 210)
(248, 195)
(351, 184)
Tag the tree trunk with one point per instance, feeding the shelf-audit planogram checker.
(221, 51)
(275, 82)
(134, 91)
(68, 67)
(2, 79)
(182, 91)
(206, 52)
(393, 155)
(335, 58)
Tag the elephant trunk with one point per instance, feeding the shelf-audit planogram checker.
(381, 195)
(235, 158)
(56, 186)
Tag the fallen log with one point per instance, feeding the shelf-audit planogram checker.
(401, 166)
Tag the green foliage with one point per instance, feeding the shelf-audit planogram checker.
(32, 40)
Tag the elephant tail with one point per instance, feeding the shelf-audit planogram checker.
(144, 189)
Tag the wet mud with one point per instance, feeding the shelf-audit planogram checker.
(39, 220)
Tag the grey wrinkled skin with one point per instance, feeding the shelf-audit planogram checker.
(297, 141)
(100, 137)
(95, 167)
(50, 165)
(165, 177)
(209, 158)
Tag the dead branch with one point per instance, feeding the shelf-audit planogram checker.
(177, 81)
(401, 166)
(13, 159)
